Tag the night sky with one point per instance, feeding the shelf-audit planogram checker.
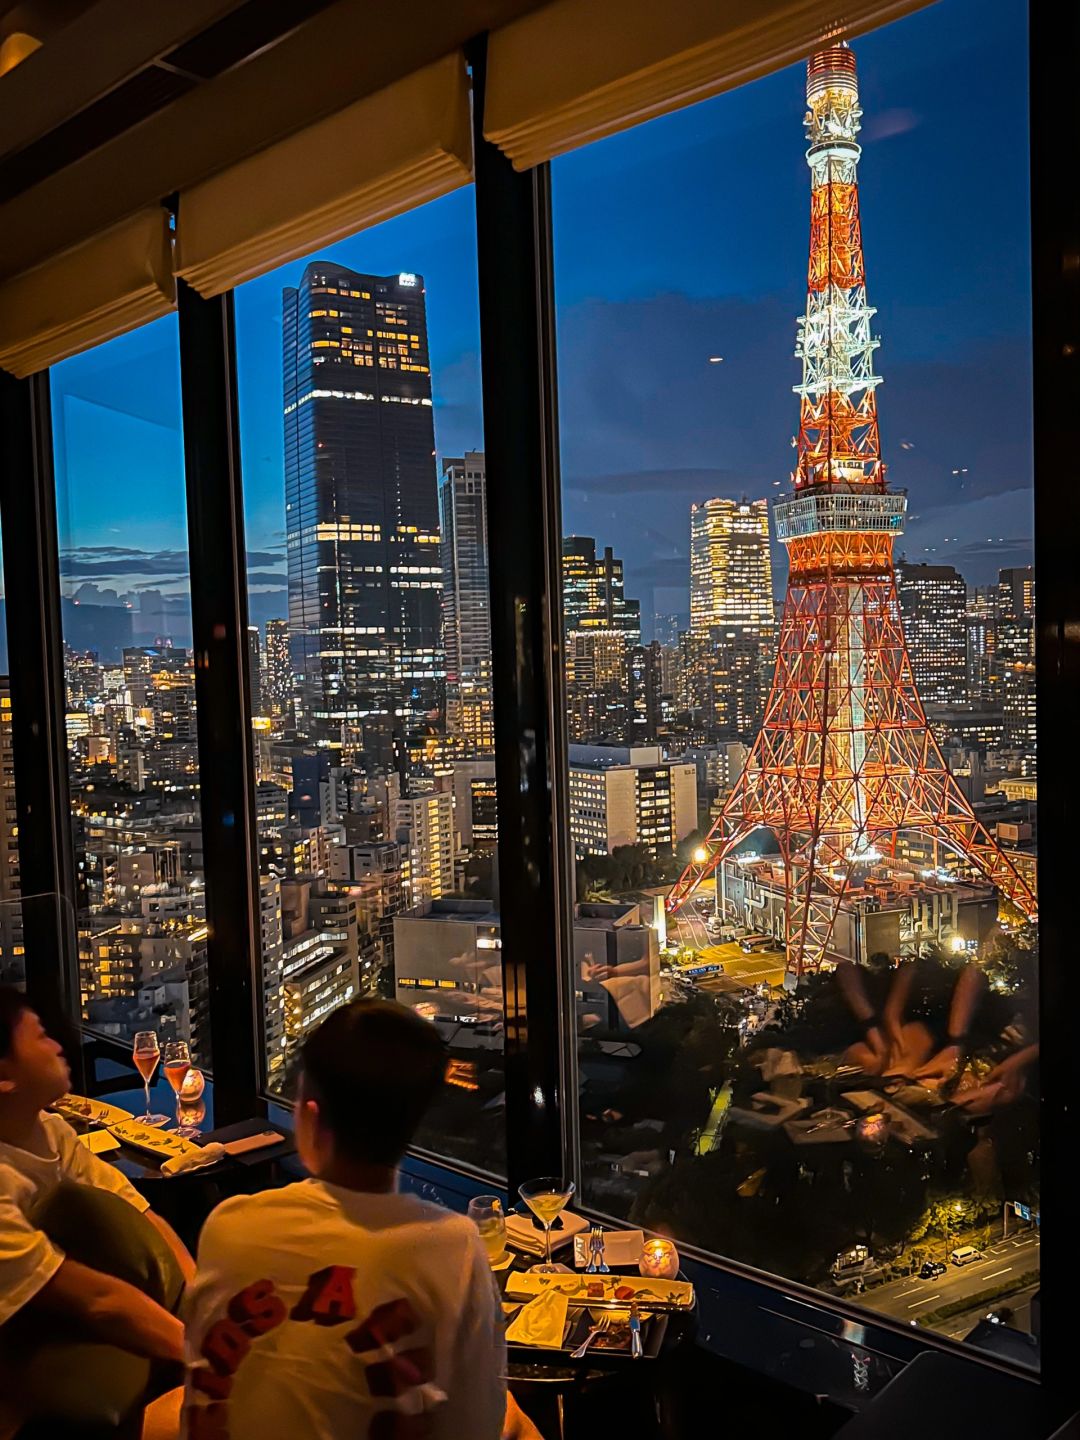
(679, 240)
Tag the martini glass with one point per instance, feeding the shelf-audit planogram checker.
(547, 1198)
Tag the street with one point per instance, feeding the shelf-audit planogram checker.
(909, 1298)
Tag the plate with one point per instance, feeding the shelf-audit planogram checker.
(609, 1292)
(94, 1112)
(155, 1142)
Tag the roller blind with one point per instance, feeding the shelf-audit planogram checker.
(383, 155)
(578, 70)
(111, 283)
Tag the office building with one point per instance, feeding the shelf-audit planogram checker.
(423, 825)
(934, 603)
(1014, 662)
(11, 936)
(362, 523)
(730, 566)
(466, 602)
(277, 672)
(630, 795)
(255, 669)
(594, 594)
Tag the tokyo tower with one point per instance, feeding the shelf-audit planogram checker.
(845, 760)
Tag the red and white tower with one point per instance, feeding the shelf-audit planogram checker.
(845, 760)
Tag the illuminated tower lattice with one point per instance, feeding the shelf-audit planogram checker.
(845, 760)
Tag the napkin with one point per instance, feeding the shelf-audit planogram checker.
(195, 1158)
(541, 1322)
(621, 1247)
(523, 1235)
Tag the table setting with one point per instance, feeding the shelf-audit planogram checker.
(619, 1299)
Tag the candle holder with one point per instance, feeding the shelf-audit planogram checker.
(659, 1260)
(192, 1086)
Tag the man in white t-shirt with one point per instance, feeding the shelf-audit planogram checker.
(38, 1152)
(338, 1307)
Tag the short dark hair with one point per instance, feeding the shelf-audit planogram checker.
(374, 1067)
(13, 1004)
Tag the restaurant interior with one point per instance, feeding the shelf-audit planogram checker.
(330, 714)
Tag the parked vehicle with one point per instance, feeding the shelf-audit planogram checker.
(965, 1255)
(931, 1269)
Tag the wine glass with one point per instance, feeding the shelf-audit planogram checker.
(486, 1213)
(547, 1198)
(177, 1065)
(146, 1054)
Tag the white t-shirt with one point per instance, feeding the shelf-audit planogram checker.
(28, 1258)
(327, 1313)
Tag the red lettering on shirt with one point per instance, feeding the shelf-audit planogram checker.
(384, 1325)
(390, 1378)
(328, 1299)
(225, 1345)
(257, 1308)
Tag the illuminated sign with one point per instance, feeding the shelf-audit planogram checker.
(406, 279)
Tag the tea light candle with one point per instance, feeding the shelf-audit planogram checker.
(193, 1085)
(659, 1260)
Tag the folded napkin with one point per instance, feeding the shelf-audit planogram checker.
(541, 1322)
(621, 1247)
(195, 1158)
(524, 1236)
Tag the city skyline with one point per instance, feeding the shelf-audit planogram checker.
(691, 430)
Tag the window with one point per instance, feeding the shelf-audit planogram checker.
(133, 756)
(807, 1029)
(370, 651)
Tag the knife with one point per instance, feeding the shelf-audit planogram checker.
(635, 1331)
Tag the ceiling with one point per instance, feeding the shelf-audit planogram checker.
(126, 101)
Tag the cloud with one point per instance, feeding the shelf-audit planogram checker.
(887, 123)
(695, 482)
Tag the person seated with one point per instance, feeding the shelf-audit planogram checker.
(41, 1160)
(338, 1305)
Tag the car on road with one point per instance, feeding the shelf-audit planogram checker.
(932, 1269)
(965, 1255)
(749, 943)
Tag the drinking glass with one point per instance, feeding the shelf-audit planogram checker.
(547, 1198)
(177, 1065)
(146, 1054)
(486, 1213)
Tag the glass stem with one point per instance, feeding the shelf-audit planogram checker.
(547, 1243)
(146, 1087)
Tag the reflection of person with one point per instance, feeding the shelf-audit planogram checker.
(1004, 1084)
(893, 1046)
(338, 1306)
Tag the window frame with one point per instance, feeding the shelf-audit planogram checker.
(514, 246)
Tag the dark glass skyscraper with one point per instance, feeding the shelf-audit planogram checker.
(361, 508)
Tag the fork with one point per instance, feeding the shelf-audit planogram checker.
(604, 1323)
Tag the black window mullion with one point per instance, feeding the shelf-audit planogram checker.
(38, 703)
(219, 619)
(517, 344)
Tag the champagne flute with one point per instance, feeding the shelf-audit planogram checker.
(547, 1198)
(486, 1213)
(146, 1054)
(177, 1065)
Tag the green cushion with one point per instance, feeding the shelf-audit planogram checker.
(63, 1375)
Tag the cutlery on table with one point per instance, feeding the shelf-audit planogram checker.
(604, 1323)
(636, 1350)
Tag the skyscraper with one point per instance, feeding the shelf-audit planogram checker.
(933, 599)
(1014, 661)
(361, 520)
(277, 671)
(467, 602)
(11, 936)
(730, 566)
(594, 596)
(255, 669)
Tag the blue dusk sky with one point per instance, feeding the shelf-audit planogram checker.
(679, 240)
